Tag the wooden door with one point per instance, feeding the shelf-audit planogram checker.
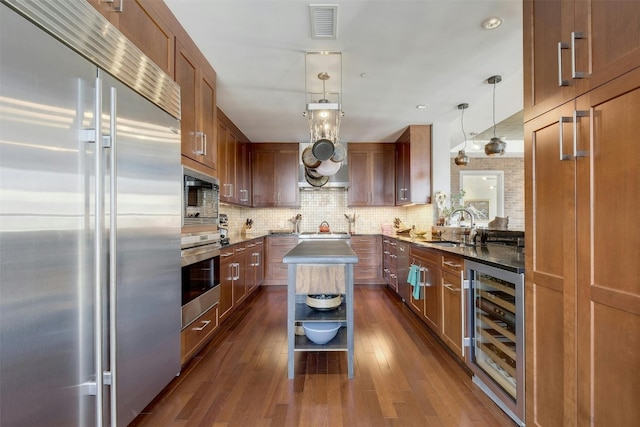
(610, 43)
(186, 75)
(146, 24)
(264, 177)
(451, 288)
(141, 21)
(243, 175)
(241, 274)
(608, 243)
(359, 193)
(403, 171)
(550, 267)
(546, 23)
(226, 283)
(227, 153)
(287, 177)
(382, 176)
(432, 298)
(209, 154)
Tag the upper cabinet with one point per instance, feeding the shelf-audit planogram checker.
(371, 174)
(147, 23)
(233, 163)
(275, 174)
(198, 101)
(582, 45)
(413, 166)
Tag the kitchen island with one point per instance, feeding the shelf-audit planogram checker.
(320, 253)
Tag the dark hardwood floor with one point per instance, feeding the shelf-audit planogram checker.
(403, 375)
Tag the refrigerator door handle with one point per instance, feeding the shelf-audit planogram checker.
(113, 251)
(99, 253)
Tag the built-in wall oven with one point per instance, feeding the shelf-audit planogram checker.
(200, 260)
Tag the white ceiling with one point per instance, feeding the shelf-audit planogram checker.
(432, 52)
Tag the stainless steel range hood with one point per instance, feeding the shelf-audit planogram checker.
(339, 180)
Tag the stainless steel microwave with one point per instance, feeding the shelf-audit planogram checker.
(201, 198)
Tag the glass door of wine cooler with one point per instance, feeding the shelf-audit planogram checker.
(496, 322)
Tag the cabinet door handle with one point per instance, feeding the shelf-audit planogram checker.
(451, 287)
(561, 123)
(451, 264)
(204, 142)
(575, 35)
(561, 47)
(205, 323)
(121, 7)
(200, 135)
(576, 115)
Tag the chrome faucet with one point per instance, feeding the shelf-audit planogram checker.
(472, 231)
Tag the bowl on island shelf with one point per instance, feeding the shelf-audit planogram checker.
(321, 332)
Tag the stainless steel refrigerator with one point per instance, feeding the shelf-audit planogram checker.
(89, 220)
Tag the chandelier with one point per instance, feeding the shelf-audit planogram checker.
(323, 90)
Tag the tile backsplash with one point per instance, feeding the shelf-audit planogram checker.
(328, 205)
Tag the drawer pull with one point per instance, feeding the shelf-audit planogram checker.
(205, 323)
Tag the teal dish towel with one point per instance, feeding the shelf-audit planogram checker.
(413, 278)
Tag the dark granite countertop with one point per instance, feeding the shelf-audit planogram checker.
(509, 258)
(321, 252)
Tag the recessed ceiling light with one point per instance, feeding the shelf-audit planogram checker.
(422, 106)
(492, 23)
(365, 75)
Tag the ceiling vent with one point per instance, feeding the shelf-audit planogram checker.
(324, 21)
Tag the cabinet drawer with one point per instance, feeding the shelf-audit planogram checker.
(452, 263)
(368, 259)
(426, 254)
(197, 333)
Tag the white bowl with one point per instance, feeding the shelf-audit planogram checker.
(321, 332)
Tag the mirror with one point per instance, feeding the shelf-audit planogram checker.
(484, 194)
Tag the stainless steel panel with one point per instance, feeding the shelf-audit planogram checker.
(80, 26)
(148, 280)
(193, 309)
(46, 301)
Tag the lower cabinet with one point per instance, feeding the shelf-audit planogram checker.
(255, 264)
(198, 333)
(368, 270)
(277, 247)
(226, 281)
(451, 332)
(440, 305)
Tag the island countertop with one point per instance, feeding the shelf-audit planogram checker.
(321, 252)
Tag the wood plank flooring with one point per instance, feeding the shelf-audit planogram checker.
(403, 375)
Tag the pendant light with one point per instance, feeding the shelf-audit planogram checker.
(462, 159)
(495, 147)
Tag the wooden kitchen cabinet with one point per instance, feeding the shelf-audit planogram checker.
(583, 316)
(371, 174)
(198, 333)
(430, 304)
(368, 270)
(255, 264)
(452, 309)
(605, 46)
(239, 273)
(228, 273)
(233, 162)
(198, 104)
(389, 264)
(275, 174)
(149, 24)
(277, 247)
(413, 166)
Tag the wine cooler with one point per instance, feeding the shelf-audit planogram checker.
(495, 350)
